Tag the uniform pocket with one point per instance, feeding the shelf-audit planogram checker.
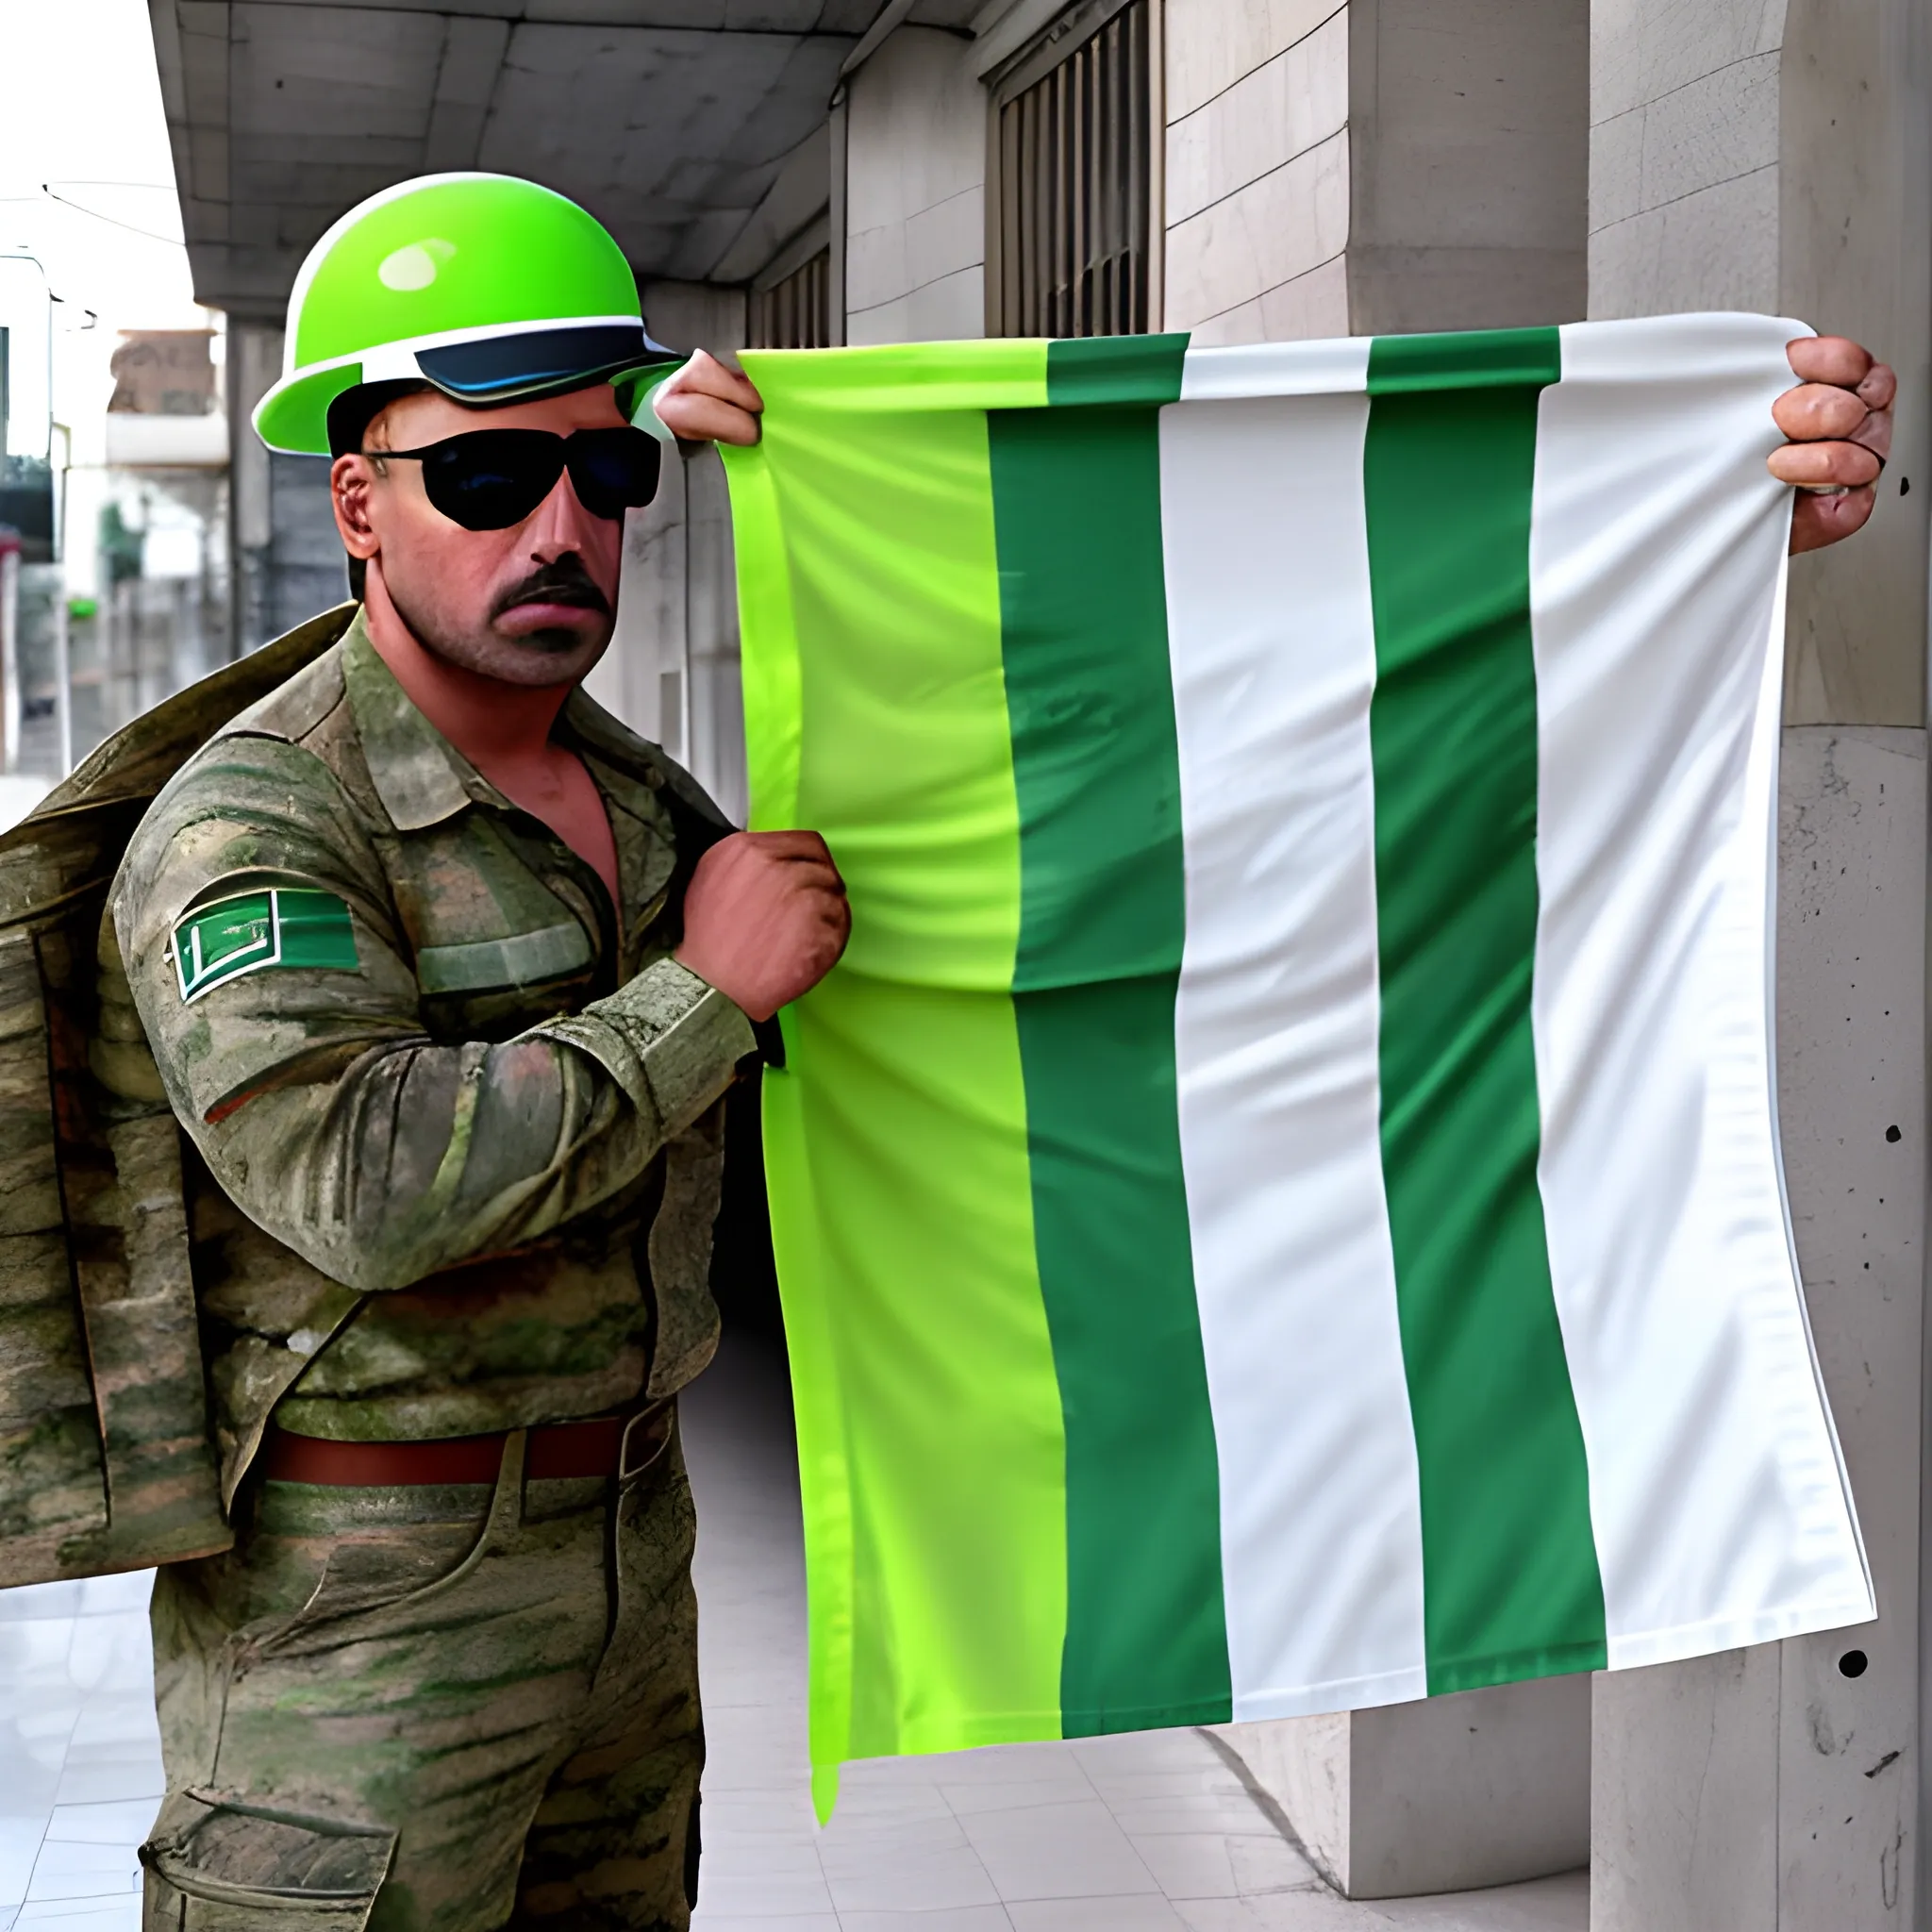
(220, 1864)
(361, 1551)
(364, 1579)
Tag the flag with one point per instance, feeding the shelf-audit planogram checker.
(1279, 1210)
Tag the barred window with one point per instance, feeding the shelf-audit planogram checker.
(795, 311)
(1075, 156)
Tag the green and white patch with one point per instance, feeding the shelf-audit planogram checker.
(253, 930)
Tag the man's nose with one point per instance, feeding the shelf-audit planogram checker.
(559, 524)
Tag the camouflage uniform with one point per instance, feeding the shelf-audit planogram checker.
(455, 1145)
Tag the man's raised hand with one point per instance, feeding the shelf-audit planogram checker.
(1838, 420)
(706, 402)
(765, 918)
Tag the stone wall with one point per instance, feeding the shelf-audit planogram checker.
(1378, 166)
(1468, 163)
(1258, 169)
(1683, 156)
(915, 200)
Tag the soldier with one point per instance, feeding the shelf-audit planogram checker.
(445, 973)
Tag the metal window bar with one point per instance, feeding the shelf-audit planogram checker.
(1074, 195)
(796, 313)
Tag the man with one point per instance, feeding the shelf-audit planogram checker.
(444, 974)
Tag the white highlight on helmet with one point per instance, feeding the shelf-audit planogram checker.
(413, 266)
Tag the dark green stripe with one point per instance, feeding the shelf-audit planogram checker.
(1076, 507)
(1522, 359)
(1510, 1581)
(316, 931)
(1116, 368)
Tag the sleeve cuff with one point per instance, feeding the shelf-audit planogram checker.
(671, 1040)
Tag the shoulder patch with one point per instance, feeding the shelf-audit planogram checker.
(281, 926)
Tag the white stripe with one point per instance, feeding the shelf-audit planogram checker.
(1718, 1498)
(1275, 369)
(1275, 1041)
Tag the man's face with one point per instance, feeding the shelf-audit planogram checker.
(531, 604)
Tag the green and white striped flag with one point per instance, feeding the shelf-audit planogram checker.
(1280, 1209)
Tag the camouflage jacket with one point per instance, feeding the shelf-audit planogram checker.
(456, 1116)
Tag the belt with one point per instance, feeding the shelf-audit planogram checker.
(606, 1445)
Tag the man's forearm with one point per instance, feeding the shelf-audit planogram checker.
(418, 1156)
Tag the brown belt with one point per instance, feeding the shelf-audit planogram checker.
(606, 1445)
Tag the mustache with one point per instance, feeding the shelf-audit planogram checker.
(566, 581)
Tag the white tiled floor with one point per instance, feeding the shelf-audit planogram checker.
(1147, 1834)
(80, 1761)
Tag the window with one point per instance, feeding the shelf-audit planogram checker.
(794, 312)
(1072, 247)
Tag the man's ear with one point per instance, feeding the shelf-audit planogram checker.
(350, 480)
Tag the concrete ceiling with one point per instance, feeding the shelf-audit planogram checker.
(668, 119)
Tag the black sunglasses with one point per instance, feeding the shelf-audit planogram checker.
(488, 479)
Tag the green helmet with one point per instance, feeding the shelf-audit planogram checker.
(491, 289)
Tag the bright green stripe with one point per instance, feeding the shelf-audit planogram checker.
(878, 522)
(929, 1410)
(929, 1431)
(1078, 499)
(1510, 1581)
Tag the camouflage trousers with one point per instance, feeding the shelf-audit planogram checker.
(434, 1709)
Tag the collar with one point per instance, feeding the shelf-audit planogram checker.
(421, 777)
(616, 758)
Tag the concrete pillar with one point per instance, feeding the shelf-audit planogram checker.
(285, 558)
(1389, 165)
(1773, 157)
(1484, 1787)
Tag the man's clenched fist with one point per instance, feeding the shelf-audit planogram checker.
(765, 918)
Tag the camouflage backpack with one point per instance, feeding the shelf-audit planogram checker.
(105, 1461)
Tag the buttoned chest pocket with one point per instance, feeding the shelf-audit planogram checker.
(522, 977)
(501, 941)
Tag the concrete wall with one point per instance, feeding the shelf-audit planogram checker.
(1762, 154)
(1382, 165)
(1683, 155)
(1468, 164)
(1749, 154)
(1258, 169)
(914, 191)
